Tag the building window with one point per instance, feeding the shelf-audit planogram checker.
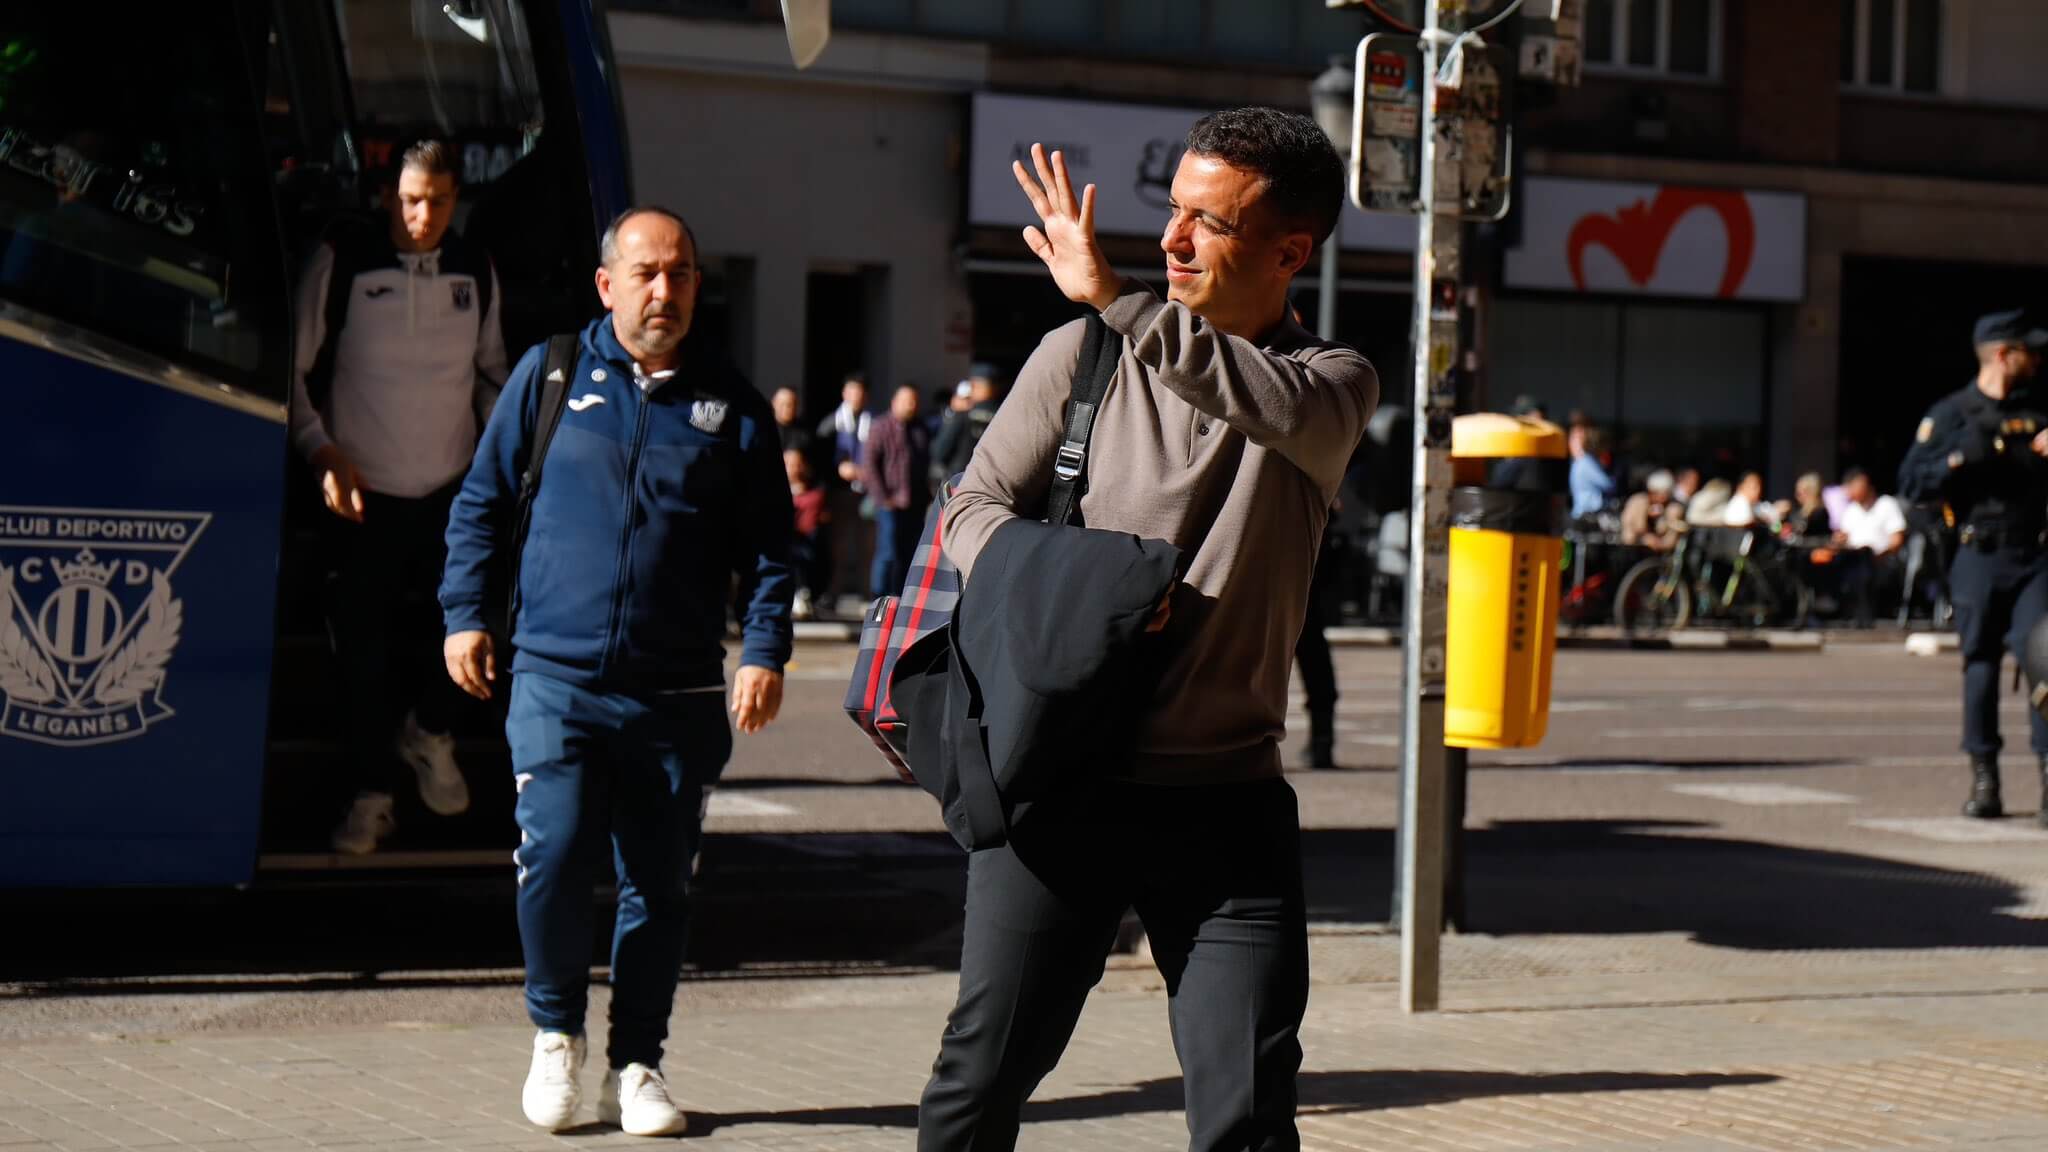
(1261, 31)
(1662, 37)
(1892, 45)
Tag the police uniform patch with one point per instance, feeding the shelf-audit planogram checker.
(464, 295)
(1926, 431)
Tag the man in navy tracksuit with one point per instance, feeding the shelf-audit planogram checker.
(664, 479)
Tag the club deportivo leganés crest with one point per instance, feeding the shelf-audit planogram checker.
(88, 620)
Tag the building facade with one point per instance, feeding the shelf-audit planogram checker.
(1753, 235)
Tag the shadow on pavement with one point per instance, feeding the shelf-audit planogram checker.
(1624, 877)
(818, 903)
(1325, 1093)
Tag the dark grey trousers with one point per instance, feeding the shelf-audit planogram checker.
(1215, 874)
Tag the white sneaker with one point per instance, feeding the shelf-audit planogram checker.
(552, 1093)
(432, 756)
(636, 1099)
(801, 608)
(369, 821)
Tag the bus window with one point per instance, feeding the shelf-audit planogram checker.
(138, 209)
(459, 72)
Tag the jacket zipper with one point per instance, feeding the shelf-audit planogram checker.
(612, 628)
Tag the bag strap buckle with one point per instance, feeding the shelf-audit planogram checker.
(1068, 463)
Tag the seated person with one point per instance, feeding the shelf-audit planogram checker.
(1871, 535)
(1747, 508)
(1591, 484)
(1651, 518)
(1805, 517)
(1708, 507)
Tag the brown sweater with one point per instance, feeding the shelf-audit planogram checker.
(1230, 450)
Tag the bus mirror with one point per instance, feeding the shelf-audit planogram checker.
(808, 24)
(461, 14)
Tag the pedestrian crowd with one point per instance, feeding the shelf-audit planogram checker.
(1849, 538)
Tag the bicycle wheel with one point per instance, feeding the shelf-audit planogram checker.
(1796, 598)
(1653, 597)
(1751, 601)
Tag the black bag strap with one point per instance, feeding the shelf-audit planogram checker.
(556, 368)
(348, 242)
(1101, 349)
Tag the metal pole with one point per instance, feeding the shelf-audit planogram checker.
(1326, 292)
(1422, 723)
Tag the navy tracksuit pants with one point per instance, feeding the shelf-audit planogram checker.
(618, 782)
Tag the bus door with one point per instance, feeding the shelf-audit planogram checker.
(351, 84)
(142, 345)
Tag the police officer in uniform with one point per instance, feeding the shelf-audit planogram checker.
(1984, 451)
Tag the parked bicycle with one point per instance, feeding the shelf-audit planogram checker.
(1722, 575)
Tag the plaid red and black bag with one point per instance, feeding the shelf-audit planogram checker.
(932, 593)
(893, 624)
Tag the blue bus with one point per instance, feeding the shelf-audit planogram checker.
(165, 695)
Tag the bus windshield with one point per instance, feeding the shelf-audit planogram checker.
(462, 73)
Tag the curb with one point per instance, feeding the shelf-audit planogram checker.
(1350, 636)
(1703, 640)
(1932, 643)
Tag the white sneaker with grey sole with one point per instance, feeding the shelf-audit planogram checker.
(368, 823)
(636, 1099)
(552, 1091)
(432, 758)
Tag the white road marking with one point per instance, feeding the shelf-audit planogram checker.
(1763, 795)
(731, 804)
(1959, 830)
(1724, 731)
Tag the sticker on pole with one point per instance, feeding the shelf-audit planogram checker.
(1471, 132)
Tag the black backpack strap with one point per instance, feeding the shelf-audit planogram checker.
(556, 367)
(1101, 349)
(350, 248)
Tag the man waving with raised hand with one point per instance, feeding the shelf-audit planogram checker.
(1225, 433)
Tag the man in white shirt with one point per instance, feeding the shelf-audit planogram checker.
(1871, 533)
(1748, 508)
(399, 351)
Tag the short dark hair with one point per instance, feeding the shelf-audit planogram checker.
(429, 156)
(608, 245)
(860, 378)
(1853, 475)
(1304, 178)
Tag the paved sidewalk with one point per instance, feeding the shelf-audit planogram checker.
(1899, 1050)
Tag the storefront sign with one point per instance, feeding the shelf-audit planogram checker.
(1659, 240)
(1128, 151)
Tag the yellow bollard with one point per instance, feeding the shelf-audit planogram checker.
(1506, 529)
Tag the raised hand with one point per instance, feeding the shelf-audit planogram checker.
(1066, 242)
